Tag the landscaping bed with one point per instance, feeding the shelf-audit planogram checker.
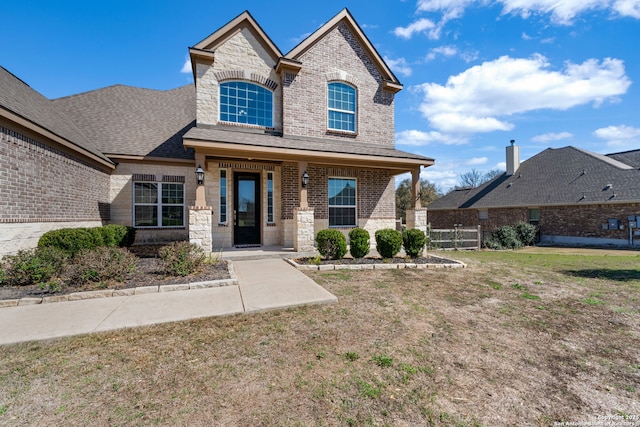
(149, 272)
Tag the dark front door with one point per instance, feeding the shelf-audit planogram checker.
(246, 227)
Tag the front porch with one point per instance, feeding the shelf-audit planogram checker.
(262, 252)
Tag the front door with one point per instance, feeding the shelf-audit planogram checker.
(246, 227)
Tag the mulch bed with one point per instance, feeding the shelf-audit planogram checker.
(149, 273)
(378, 260)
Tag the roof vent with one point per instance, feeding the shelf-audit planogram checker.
(607, 187)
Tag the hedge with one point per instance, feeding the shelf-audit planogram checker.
(73, 240)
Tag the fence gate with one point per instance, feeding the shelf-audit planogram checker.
(457, 238)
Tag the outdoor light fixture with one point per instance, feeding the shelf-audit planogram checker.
(200, 175)
(305, 179)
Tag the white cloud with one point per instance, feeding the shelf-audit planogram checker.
(482, 97)
(399, 66)
(444, 176)
(501, 165)
(186, 67)
(551, 136)
(475, 161)
(561, 12)
(418, 138)
(619, 136)
(447, 51)
(420, 26)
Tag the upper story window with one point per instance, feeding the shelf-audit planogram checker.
(246, 103)
(342, 107)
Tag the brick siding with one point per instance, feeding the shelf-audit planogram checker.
(41, 183)
(574, 221)
(305, 94)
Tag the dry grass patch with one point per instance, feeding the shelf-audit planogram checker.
(458, 347)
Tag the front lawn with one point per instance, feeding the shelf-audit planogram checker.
(515, 339)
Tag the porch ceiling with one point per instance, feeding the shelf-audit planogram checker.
(264, 147)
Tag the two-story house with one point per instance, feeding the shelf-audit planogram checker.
(264, 148)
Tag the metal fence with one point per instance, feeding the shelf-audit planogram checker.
(454, 238)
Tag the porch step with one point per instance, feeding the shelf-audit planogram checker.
(263, 252)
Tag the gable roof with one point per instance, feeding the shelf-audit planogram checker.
(23, 105)
(344, 16)
(206, 47)
(130, 121)
(563, 176)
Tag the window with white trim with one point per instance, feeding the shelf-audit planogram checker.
(158, 204)
(270, 218)
(223, 197)
(341, 107)
(246, 103)
(342, 202)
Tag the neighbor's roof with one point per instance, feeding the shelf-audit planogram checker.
(20, 103)
(562, 176)
(264, 142)
(130, 121)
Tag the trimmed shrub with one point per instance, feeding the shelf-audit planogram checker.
(526, 233)
(331, 243)
(413, 241)
(102, 264)
(32, 266)
(388, 242)
(507, 237)
(70, 240)
(181, 258)
(73, 240)
(359, 242)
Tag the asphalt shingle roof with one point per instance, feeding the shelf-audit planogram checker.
(127, 120)
(562, 176)
(19, 98)
(299, 143)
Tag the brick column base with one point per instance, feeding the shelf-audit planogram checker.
(303, 230)
(417, 218)
(200, 227)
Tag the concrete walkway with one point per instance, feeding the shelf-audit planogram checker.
(266, 284)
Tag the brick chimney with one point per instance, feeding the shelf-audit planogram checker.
(513, 158)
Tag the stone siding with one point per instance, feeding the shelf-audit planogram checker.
(121, 198)
(241, 57)
(305, 94)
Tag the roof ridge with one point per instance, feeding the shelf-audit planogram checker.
(602, 157)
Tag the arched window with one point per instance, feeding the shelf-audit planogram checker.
(341, 107)
(247, 103)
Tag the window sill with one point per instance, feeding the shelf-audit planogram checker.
(347, 133)
(177, 227)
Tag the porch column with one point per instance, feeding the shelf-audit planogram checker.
(303, 218)
(200, 227)
(416, 217)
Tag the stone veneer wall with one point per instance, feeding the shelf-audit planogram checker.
(305, 94)
(200, 227)
(121, 197)
(45, 187)
(241, 57)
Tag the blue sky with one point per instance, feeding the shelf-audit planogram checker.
(476, 74)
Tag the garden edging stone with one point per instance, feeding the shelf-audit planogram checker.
(106, 293)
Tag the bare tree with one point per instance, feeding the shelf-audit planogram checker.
(404, 197)
(473, 178)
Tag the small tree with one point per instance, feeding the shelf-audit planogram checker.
(359, 242)
(388, 242)
(413, 241)
(331, 243)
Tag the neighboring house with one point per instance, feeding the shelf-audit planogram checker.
(288, 145)
(574, 196)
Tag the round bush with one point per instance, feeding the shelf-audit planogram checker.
(70, 240)
(507, 237)
(526, 233)
(388, 242)
(359, 242)
(33, 266)
(181, 258)
(102, 264)
(413, 241)
(331, 243)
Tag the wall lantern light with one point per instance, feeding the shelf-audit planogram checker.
(305, 179)
(200, 175)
